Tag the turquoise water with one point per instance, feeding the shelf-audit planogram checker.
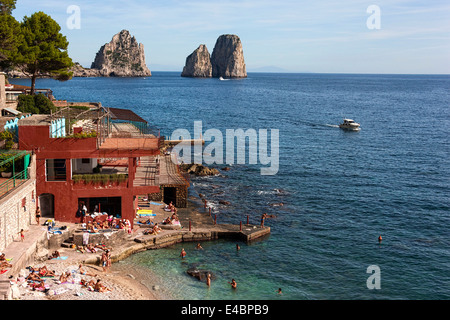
(340, 190)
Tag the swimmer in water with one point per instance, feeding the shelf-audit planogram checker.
(233, 284)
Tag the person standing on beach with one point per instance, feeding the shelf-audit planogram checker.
(104, 260)
(38, 214)
(83, 212)
(22, 236)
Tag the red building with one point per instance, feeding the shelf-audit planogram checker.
(103, 158)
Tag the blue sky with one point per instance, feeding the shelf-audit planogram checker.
(294, 35)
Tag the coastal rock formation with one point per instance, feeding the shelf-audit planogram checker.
(198, 64)
(198, 169)
(79, 71)
(227, 58)
(122, 57)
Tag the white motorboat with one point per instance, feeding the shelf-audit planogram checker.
(350, 124)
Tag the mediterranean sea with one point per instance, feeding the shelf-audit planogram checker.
(340, 190)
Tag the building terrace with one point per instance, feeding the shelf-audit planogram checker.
(99, 157)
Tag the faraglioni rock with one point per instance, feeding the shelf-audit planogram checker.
(198, 64)
(227, 59)
(122, 57)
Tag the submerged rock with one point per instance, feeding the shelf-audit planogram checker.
(198, 169)
(200, 274)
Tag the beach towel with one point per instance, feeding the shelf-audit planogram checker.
(85, 238)
(147, 215)
(61, 258)
(156, 203)
(3, 271)
(143, 211)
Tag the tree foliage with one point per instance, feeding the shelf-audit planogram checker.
(43, 51)
(7, 6)
(37, 104)
(10, 34)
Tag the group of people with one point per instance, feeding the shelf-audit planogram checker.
(108, 223)
(172, 219)
(36, 282)
(153, 231)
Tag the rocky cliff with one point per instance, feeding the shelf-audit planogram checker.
(198, 64)
(227, 59)
(122, 57)
(79, 71)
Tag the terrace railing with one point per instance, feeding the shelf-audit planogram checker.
(13, 182)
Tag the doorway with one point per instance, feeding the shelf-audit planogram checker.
(170, 195)
(47, 205)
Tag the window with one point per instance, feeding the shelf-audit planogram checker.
(55, 169)
(85, 160)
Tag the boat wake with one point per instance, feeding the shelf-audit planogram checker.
(332, 125)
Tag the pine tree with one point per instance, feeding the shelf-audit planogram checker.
(43, 50)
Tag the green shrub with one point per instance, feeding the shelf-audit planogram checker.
(43, 104)
(37, 104)
(26, 104)
(77, 178)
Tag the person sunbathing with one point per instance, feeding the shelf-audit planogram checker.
(92, 228)
(91, 248)
(99, 287)
(84, 272)
(33, 277)
(43, 271)
(148, 221)
(167, 221)
(90, 285)
(54, 255)
(156, 229)
(65, 277)
(38, 286)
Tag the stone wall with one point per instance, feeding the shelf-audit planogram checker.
(2, 91)
(17, 209)
(181, 194)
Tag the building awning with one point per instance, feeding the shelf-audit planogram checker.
(124, 114)
(12, 111)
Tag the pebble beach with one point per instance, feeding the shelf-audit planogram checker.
(123, 286)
